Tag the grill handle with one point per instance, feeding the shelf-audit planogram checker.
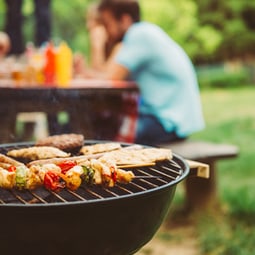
(198, 169)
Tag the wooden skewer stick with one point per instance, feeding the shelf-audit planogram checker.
(136, 165)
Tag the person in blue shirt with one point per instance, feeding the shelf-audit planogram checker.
(169, 107)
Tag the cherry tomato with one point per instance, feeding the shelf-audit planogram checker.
(67, 165)
(52, 181)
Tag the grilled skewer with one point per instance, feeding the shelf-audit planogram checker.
(69, 174)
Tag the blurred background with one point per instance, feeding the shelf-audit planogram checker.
(219, 36)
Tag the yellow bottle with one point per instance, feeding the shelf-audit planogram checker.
(64, 65)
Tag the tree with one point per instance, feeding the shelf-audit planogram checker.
(235, 21)
(180, 19)
(209, 30)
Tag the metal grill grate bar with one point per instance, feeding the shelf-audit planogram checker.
(94, 194)
(143, 188)
(58, 196)
(19, 198)
(125, 190)
(37, 198)
(77, 195)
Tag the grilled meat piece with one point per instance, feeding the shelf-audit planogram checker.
(65, 142)
(5, 160)
(124, 176)
(99, 148)
(42, 152)
(7, 179)
(72, 177)
(36, 174)
(138, 156)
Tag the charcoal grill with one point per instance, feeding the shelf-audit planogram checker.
(93, 220)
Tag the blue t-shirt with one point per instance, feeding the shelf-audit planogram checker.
(165, 76)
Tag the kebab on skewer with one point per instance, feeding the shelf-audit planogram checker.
(66, 173)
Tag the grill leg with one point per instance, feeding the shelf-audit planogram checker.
(201, 194)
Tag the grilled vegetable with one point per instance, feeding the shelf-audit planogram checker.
(12, 168)
(52, 181)
(21, 177)
(88, 174)
(66, 165)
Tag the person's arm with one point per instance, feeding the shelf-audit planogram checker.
(114, 72)
(111, 70)
(98, 40)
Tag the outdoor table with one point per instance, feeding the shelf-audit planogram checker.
(95, 107)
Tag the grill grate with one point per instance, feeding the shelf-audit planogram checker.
(163, 173)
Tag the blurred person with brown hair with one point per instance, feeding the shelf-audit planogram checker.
(102, 49)
(14, 22)
(170, 107)
(4, 49)
(97, 38)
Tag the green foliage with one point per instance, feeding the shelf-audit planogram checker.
(220, 76)
(69, 23)
(209, 30)
(234, 20)
(180, 20)
(2, 14)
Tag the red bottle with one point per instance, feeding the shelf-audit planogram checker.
(49, 69)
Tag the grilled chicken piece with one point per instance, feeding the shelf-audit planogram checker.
(95, 164)
(5, 165)
(72, 177)
(138, 156)
(35, 177)
(40, 152)
(7, 179)
(124, 176)
(36, 173)
(99, 148)
(79, 159)
(107, 173)
(7, 160)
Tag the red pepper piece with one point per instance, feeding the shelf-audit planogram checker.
(52, 181)
(67, 165)
(113, 174)
(11, 168)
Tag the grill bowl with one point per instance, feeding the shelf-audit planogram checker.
(111, 225)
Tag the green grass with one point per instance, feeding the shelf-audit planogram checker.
(230, 118)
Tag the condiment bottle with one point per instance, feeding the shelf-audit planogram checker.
(38, 62)
(49, 68)
(64, 65)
